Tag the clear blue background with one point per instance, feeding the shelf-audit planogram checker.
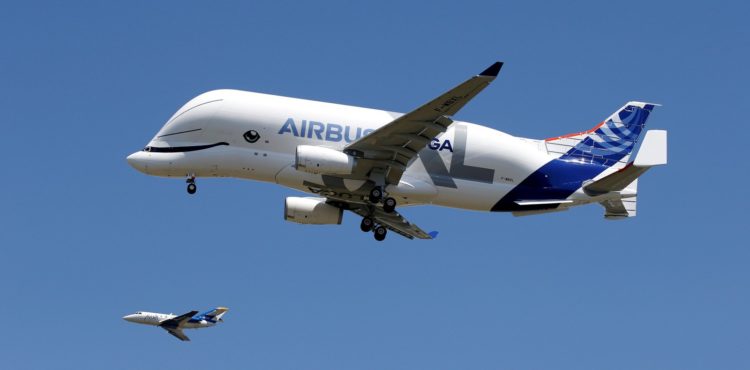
(85, 239)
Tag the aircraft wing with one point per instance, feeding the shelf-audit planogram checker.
(392, 146)
(177, 332)
(392, 221)
(175, 322)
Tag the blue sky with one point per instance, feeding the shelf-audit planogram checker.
(86, 239)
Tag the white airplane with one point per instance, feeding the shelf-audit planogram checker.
(367, 161)
(174, 324)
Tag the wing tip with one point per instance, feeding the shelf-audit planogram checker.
(433, 234)
(493, 70)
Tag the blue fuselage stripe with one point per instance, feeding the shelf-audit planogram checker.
(557, 179)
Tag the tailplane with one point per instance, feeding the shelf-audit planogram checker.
(623, 183)
(610, 142)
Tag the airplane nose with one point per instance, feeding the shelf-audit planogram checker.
(128, 318)
(136, 161)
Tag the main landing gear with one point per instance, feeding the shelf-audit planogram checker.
(376, 196)
(389, 205)
(367, 224)
(191, 188)
(379, 231)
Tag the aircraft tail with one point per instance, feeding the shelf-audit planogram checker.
(610, 142)
(624, 182)
(617, 209)
(215, 314)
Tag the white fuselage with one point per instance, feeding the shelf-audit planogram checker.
(229, 133)
(155, 318)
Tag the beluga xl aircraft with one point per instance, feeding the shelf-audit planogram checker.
(368, 161)
(174, 324)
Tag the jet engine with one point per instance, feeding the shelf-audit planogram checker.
(310, 210)
(320, 160)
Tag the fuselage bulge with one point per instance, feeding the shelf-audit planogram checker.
(340, 153)
(229, 133)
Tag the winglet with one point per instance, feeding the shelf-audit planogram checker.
(492, 70)
(433, 234)
(653, 151)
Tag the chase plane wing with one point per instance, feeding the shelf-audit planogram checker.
(177, 332)
(177, 321)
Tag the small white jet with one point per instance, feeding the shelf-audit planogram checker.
(367, 161)
(174, 324)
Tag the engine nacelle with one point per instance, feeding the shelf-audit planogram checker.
(317, 160)
(310, 210)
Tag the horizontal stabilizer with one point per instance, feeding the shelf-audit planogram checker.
(618, 209)
(653, 152)
(615, 181)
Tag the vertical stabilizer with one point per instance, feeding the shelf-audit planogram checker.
(610, 142)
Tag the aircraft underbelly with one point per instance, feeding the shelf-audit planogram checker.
(254, 164)
(471, 195)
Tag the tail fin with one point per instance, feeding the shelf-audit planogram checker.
(610, 142)
(215, 314)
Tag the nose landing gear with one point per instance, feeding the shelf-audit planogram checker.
(191, 188)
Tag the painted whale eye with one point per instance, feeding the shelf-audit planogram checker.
(252, 136)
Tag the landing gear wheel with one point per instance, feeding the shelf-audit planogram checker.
(191, 188)
(389, 205)
(367, 224)
(379, 233)
(375, 194)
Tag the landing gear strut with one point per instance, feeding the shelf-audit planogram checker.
(379, 233)
(191, 188)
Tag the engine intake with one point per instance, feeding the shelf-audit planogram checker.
(320, 160)
(310, 210)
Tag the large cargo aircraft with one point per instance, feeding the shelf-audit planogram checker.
(370, 161)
